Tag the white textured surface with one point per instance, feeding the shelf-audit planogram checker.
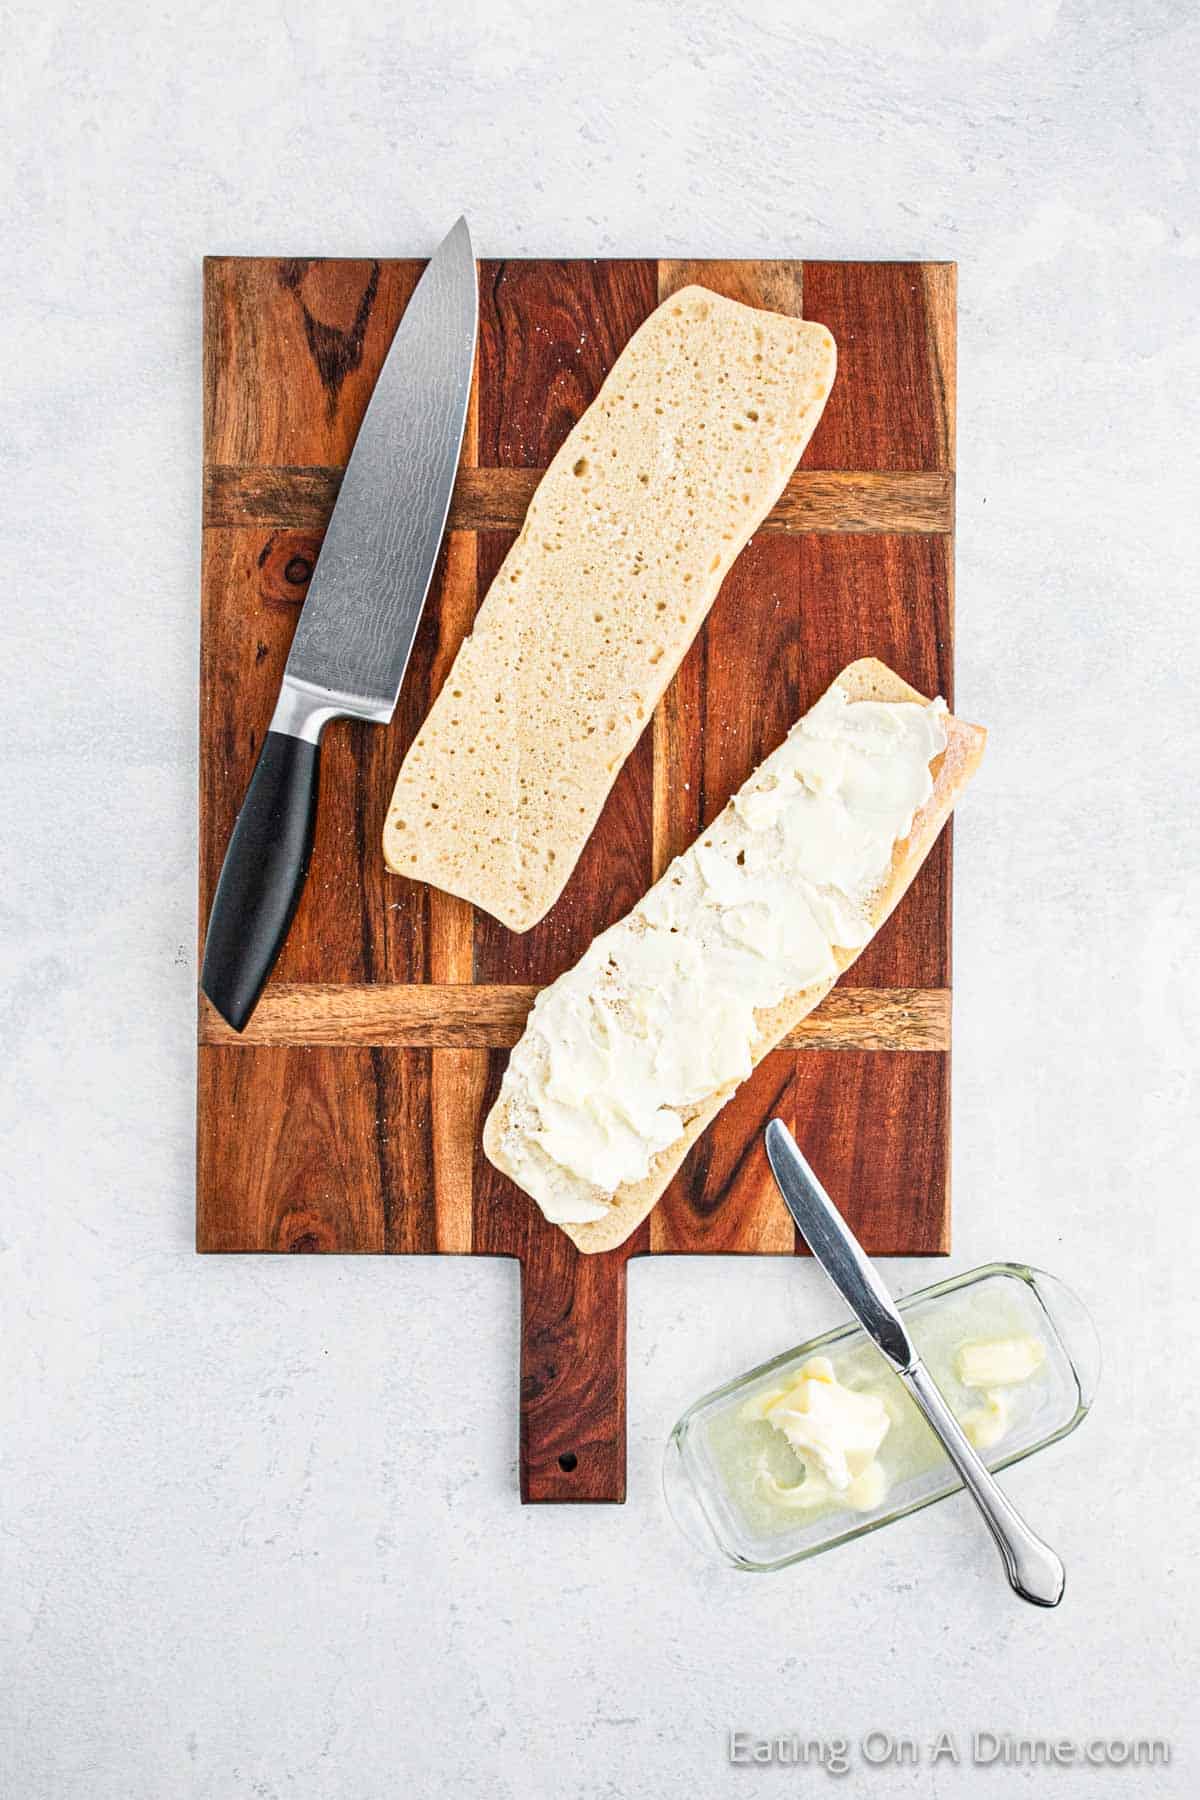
(258, 1523)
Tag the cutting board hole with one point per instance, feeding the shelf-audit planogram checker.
(568, 1463)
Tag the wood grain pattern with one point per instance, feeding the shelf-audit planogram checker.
(874, 1123)
(877, 1126)
(457, 1081)
(457, 1089)
(496, 499)
(471, 1016)
(292, 349)
(347, 1117)
(723, 1199)
(549, 332)
(940, 283)
(572, 1382)
(289, 1156)
(779, 286)
(890, 405)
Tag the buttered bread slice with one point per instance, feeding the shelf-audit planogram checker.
(631, 532)
(626, 1058)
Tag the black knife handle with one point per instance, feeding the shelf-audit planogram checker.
(262, 877)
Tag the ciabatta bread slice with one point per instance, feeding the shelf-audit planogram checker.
(507, 1133)
(632, 530)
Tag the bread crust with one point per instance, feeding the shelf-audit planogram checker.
(866, 679)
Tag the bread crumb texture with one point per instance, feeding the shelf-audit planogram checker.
(627, 540)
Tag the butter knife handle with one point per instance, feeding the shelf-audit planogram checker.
(263, 875)
(1033, 1569)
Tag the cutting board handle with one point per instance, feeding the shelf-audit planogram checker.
(572, 1371)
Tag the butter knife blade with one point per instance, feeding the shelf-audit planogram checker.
(836, 1248)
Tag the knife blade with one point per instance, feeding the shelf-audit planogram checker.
(356, 629)
(837, 1249)
(1034, 1570)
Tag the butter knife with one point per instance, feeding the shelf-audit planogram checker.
(1033, 1569)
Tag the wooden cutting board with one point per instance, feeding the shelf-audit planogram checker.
(348, 1116)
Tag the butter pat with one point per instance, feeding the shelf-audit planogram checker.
(995, 1364)
(999, 1362)
(661, 1012)
(985, 1425)
(835, 1432)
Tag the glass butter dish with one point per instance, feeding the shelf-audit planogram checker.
(739, 1488)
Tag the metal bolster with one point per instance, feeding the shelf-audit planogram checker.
(304, 710)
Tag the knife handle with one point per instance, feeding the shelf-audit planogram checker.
(1034, 1570)
(263, 875)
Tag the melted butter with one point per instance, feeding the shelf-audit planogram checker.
(659, 1014)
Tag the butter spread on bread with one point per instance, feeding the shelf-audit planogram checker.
(672, 1006)
(632, 529)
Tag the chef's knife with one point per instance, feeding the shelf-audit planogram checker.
(359, 620)
(1033, 1570)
